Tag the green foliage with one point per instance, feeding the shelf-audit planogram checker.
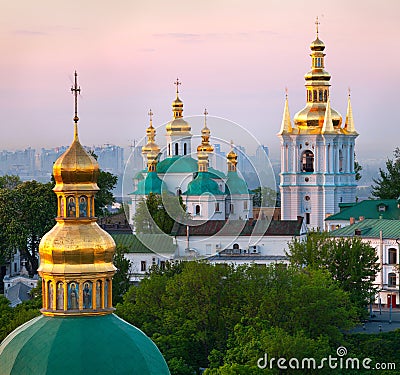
(120, 283)
(9, 181)
(27, 212)
(158, 213)
(104, 197)
(388, 183)
(266, 197)
(217, 316)
(357, 169)
(351, 262)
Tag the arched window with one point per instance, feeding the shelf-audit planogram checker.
(307, 161)
(169, 150)
(392, 256)
(340, 161)
(392, 279)
(325, 95)
(184, 149)
(236, 246)
(197, 210)
(320, 95)
(315, 95)
(176, 149)
(50, 295)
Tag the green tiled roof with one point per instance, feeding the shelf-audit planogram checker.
(235, 184)
(80, 345)
(151, 184)
(369, 209)
(215, 173)
(370, 228)
(145, 243)
(203, 184)
(177, 164)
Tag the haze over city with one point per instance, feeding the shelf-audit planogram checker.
(233, 57)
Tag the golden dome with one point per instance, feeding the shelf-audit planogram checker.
(73, 248)
(76, 169)
(178, 126)
(317, 45)
(313, 114)
(232, 159)
(205, 135)
(151, 146)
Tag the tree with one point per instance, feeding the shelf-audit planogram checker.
(266, 197)
(388, 183)
(350, 261)
(104, 197)
(121, 282)
(357, 169)
(158, 213)
(27, 212)
(9, 181)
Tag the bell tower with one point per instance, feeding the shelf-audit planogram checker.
(317, 152)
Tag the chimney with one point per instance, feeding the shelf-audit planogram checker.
(361, 218)
(352, 220)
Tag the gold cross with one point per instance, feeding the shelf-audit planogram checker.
(317, 23)
(151, 115)
(76, 90)
(177, 83)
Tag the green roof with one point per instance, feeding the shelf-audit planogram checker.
(215, 173)
(370, 228)
(177, 164)
(80, 345)
(203, 184)
(151, 184)
(235, 184)
(369, 209)
(139, 175)
(145, 243)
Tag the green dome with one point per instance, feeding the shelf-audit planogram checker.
(80, 345)
(235, 184)
(203, 184)
(151, 184)
(177, 164)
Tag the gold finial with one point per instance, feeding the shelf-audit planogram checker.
(317, 23)
(151, 117)
(349, 92)
(75, 89)
(286, 92)
(205, 117)
(177, 83)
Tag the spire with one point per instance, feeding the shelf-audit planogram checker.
(151, 149)
(327, 127)
(177, 105)
(232, 159)
(205, 136)
(349, 125)
(75, 89)
(286, 126)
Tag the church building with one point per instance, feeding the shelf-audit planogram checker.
(317, 151)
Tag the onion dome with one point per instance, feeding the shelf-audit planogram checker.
(205, 145)
(151, 146)
(178, 126)
(311, 117)
(76, 169)
(234, 184)
(232, 159)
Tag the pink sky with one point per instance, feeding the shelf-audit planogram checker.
(233, 57)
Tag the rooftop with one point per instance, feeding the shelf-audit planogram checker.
(370, 228)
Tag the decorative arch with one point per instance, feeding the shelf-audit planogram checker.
(307, 161)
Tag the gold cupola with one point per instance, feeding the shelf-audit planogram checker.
(178, 126)
(232, 159)
(151, 146)
(205, 145)
(76, 255)
(311, 117)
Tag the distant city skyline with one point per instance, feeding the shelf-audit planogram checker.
(235, 58)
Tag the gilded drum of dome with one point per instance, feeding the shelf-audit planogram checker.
(313, 114)
(178, 125)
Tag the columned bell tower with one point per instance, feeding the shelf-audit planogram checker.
(317, 152)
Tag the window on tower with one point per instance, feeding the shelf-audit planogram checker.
(176, 149)
(184, 149)
(307, 161)
(197, 210)
(320, 95)
(315, 95)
